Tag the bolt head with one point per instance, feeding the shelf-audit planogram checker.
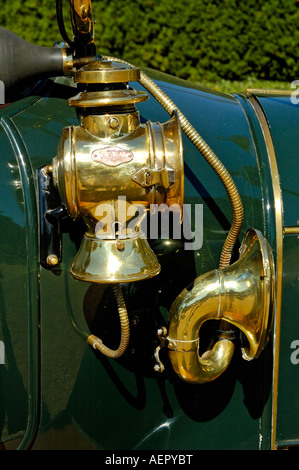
(52, 260)
(120, 245)
(114, 123)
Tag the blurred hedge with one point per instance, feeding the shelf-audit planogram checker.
(193, 39)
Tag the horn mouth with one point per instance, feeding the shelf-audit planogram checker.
(241, 294)
(22, 63)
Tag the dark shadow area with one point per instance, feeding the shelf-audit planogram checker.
(203, 402)
(256, 379)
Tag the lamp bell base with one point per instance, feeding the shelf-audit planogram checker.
(114, 261)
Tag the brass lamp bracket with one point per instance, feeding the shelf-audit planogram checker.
(52, 212)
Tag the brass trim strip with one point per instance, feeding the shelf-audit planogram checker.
(291, 230)
(68, 62)
(260, 91)
(279, 247)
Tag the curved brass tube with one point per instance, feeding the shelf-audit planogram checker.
(188, 312)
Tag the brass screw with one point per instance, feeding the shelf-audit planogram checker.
(113, 123)
(120, 245)
(49, 169)
(52, 260)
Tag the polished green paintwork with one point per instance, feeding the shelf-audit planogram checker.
(30, 210)
(283, 118)
(288, 400)
(88, 401)
(15, 295)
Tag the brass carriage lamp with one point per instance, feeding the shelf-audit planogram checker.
(111, 161)
(108, 164)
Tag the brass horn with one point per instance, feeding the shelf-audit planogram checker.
(241, 294)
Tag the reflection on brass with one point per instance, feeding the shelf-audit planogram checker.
(278, 206)
(241, 294)
(82, 21)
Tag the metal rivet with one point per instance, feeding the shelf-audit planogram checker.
(49, 169)
(52, 260)
(113, 123)
(120, 245)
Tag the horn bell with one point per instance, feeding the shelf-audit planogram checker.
(241, 294)
(249, 286)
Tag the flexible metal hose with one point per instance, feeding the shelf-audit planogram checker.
(97, 343)
(213, 161)
(209, 156)
(226, 331)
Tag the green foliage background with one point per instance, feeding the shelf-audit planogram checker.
(198, 40)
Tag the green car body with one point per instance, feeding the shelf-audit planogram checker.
(55, 391)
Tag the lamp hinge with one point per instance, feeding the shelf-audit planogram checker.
(150, 177)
